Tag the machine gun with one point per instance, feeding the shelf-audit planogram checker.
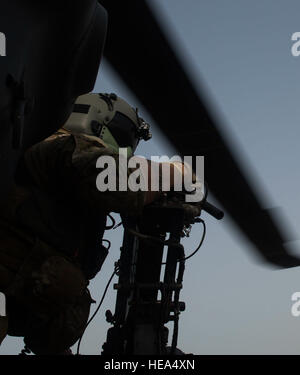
(148, 287)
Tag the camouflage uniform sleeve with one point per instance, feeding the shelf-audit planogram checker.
(67, 163)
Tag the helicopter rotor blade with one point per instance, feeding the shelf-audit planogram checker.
(140, 53)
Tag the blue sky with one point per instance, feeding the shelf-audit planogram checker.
(240, 51)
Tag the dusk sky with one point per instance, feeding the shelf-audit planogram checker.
(240, 52)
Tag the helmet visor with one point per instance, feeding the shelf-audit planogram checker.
(124, 131)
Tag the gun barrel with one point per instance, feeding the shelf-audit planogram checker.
(212, 210)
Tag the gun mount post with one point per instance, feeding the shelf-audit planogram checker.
(140, 316)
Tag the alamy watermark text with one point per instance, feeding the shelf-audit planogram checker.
(2, 44)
